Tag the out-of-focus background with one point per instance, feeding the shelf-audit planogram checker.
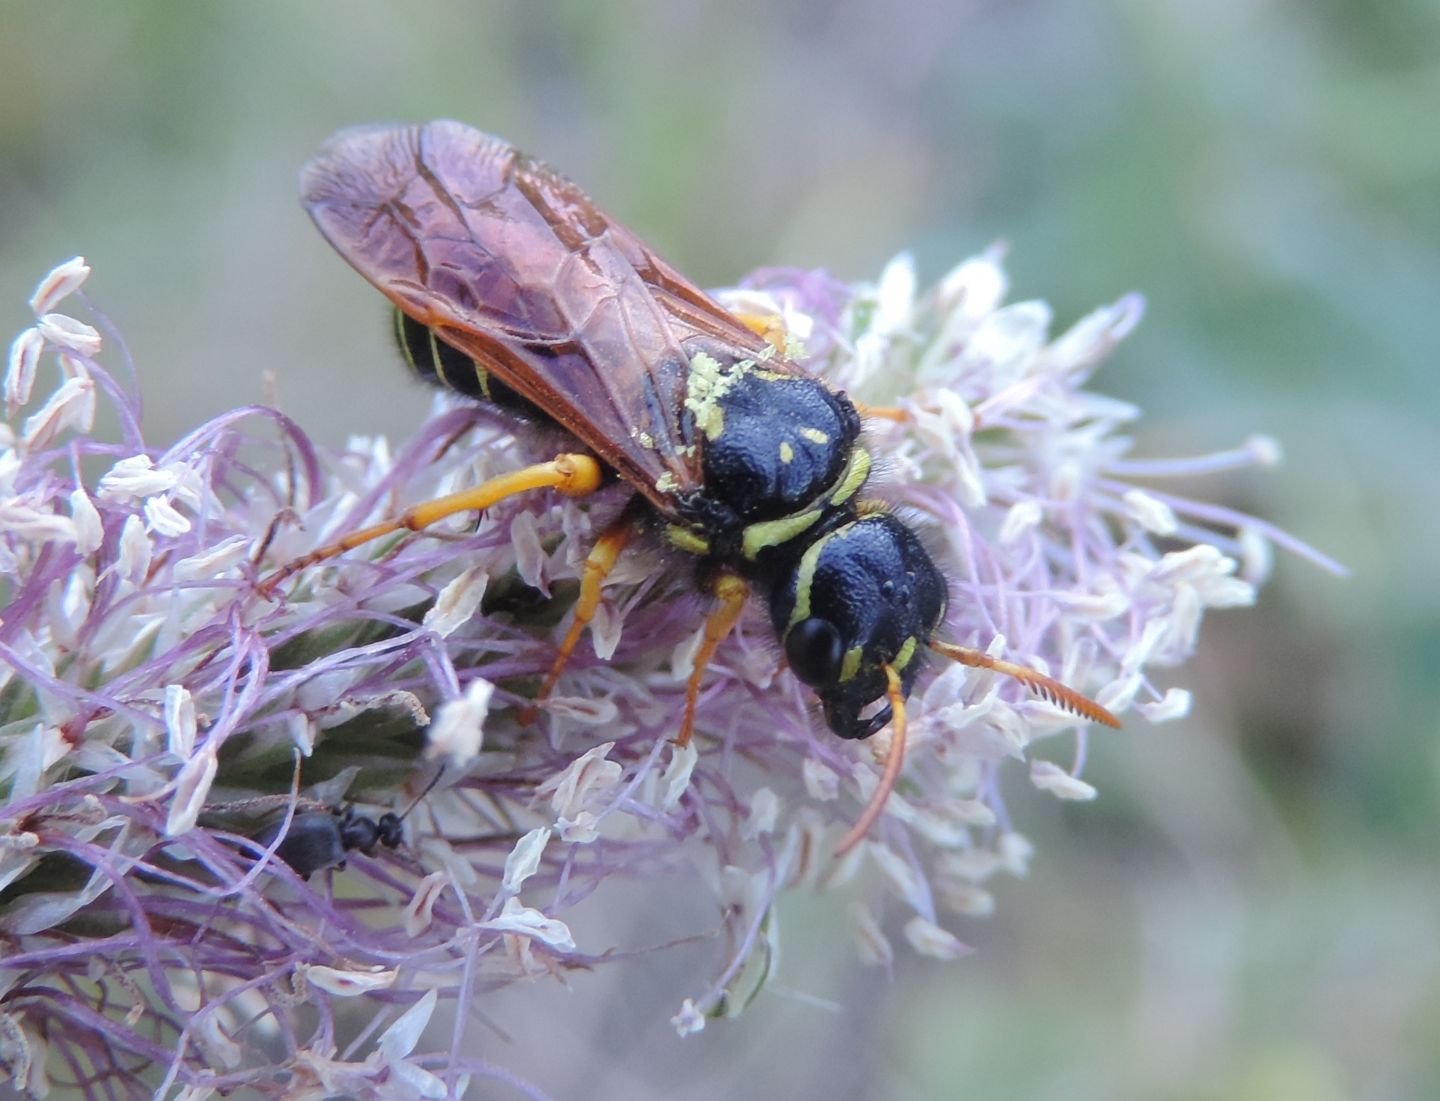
(1252, 907)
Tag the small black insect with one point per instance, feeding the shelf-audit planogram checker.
(321, 839)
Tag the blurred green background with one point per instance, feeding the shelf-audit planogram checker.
(1252, 908)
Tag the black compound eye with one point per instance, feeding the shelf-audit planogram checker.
(815, 651)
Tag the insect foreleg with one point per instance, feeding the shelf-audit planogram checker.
(731, 591)
(598, 564)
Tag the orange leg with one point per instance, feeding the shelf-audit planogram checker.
(768, 326)
(882, 412)
(731, 591)
(598, 564)
(882, 791)
(572, 475)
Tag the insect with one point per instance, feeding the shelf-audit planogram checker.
(511, 287)
(320, 839)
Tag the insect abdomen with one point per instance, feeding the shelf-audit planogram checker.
(437, 363)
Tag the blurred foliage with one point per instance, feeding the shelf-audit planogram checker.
(1250, 908)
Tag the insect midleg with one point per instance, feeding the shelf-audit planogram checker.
(731, 591)
(598, 564)
(572, 475)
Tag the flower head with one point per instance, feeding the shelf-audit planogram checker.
(156, 709)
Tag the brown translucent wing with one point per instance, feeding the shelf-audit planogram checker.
(513, 265)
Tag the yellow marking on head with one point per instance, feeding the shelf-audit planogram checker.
(684, 539)
(787, 453)
(814, 435)
(771, 533)
(906, 652)
(851, 665)
(667, 483)
(805, 575)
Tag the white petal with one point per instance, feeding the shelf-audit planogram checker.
(458, 729)
(1151, 513)
(419, 911)
(136, 476)
(25, 352)
(1022, 518)
(180, 724)
(976, 286)
(580, 830)
(192, 787)
(1048, 776)
(89, 529)
(929, 939)
(135, 550)
(59, 283)
(410, 1081)
(1192, 564)
(302, 731)
(524, 859)
(965, 899)
(1257, 556)
(527, 922)
(458, 601)
(72, 406)
(1174, 705)
(347, 984)
(66, 332)
(581, 709)
(530, 558)
(587, 777)
(213, 562)
(764, 811)
(399, 1039)
(676, 780)
(895, 296)
(164, 519)
(18, 519)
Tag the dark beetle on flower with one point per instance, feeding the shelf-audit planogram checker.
(511, 288)
(321, 839)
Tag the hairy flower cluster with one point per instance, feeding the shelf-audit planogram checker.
(162, 719)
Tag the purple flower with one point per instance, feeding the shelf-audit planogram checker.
(154, 706)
